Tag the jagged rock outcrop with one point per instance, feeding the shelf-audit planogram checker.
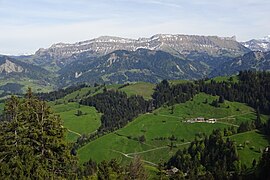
(6, 67)
(12, 68)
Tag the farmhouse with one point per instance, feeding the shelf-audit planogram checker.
(202, 119)
(212, 120)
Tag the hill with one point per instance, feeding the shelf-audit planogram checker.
(158, 127)
(175, 114)
(78, 119)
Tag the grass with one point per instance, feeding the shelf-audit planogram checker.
(250, 145)
(77, 95)
(231, 112)
(141, 88)
(78, 125)
(161, 124)
(225, 78)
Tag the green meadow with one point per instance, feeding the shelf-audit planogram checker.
(141, 88)
(86, 123)
(159, 126)
(250, 145)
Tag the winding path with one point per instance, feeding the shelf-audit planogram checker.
(129, 155)
(74, 132)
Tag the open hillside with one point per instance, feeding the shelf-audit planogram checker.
(156, 136)
(210, 121)
(89, 120)
(78, 119)
(250, 145)
(139, 88)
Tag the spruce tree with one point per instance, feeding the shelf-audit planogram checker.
(32, 144)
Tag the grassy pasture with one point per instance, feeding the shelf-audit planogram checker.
(78, 125)
(250, 145)
(141, 88)
(159, 126)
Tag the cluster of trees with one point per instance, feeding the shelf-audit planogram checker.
(118, 109)
(171, 94)
(211, 155)
(252, 88)
(113, 170)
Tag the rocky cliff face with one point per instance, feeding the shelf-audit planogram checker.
(174, 44)
(262, 44)
(12, 68)
(7, 67)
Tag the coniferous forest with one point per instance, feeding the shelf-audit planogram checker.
(33, 146)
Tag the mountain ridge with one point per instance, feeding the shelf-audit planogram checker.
(176, 44)
(261, 44)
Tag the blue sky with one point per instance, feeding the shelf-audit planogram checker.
(27, 25)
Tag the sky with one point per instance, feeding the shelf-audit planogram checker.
(27, 25)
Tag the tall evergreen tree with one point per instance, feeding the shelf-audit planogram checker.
(32, 144)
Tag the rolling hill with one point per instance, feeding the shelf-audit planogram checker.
(159, 126)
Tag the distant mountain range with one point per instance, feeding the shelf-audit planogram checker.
(119, 60)
(13, 68)
(123, 66)
(262, 44)
(61, 54)
(255, 60)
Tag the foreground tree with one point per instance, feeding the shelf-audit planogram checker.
(32, 144)
(136, 169)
